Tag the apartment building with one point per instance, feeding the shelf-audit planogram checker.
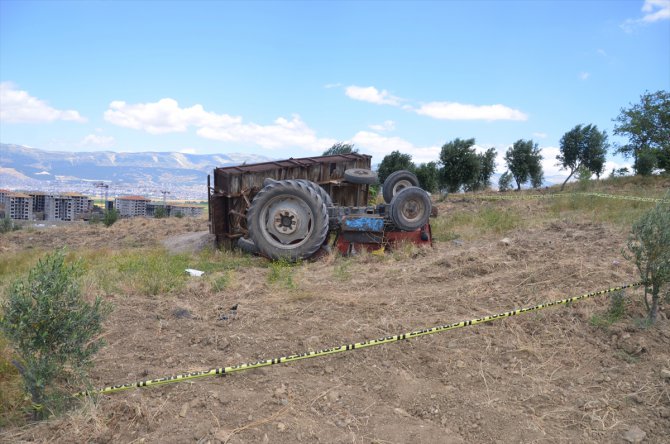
(185, 210)
(80, 203)
(18, 206)
(131, 206)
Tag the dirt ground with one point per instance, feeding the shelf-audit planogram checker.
(546, 376)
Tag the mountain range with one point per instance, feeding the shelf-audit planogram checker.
(146, 173)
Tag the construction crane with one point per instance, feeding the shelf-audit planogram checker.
(102, 185)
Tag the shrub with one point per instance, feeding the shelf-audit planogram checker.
(649, 248)
(53, 330)
(160, 212)
(7, 225)
(110, 217)
(614, 313)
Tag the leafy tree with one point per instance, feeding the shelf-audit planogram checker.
(505, 181)
(649, 248)
(536, 175)
(647, 126)
(461, 166)
(393, 162)
(645, 162)
(54, 331)
(487, 166)
(429, 176)
(340, 148)
(524, 162)
(583, 147)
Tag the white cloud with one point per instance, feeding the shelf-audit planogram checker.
(602, 52)
(540, 135)
(94, 140)
(166, 116)
(17, 106)
(654, 11)
(387, 125)
(188, 151)
(459, 111)
(584, 75)
(436, 110)
(282, 133)
(379, 146)
(372, 95)
(611, 164)
(332, 85)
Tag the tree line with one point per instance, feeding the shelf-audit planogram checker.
(583, 151)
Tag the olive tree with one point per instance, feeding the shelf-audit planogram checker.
(393, 162)
(583, 147)
(53, 329)
(524, 162)
(647, 127)
(340, 148)
(649, 248)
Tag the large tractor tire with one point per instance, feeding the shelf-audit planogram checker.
(396, 182)
(287, 219)
(410, 208)
(319, 190)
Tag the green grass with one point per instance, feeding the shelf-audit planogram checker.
(152, 272)
(596, 209)
(614, 313)
(486, 219)
(12, 394)
(281, 273)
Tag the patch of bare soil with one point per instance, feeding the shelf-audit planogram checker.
(546, 376)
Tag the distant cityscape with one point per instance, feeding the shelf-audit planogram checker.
(72, 206)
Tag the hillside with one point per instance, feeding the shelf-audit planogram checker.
(563, 374)
(30, 168)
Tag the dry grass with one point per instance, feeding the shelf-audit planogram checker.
(545, 376)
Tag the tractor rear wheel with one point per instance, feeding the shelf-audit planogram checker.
(287, 219)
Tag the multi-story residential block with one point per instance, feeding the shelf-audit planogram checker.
(18, 206)
(80, 203)
(185, 210)
(39, 202)
(174, 209)
(59, 208)
(131, 206)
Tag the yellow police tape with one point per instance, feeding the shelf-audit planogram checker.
(342, 348)
(549, 196)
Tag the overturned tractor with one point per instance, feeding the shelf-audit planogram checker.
(294, 208)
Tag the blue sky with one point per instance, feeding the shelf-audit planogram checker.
(288, 79)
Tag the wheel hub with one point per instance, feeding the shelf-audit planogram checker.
(412, 209)
(285, 221)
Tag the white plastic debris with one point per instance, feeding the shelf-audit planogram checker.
(193, 272)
